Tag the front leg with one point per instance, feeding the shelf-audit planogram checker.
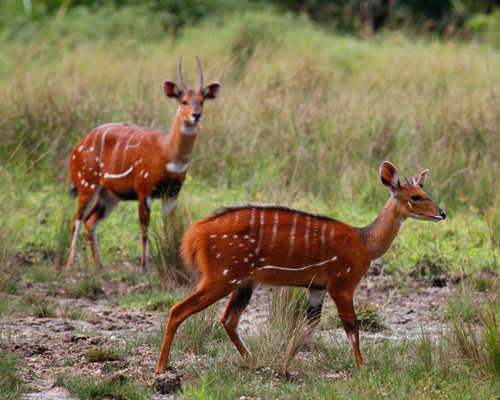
(344, 302)
(145, 204)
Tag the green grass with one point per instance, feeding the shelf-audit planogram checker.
(11, 382)
(89, 388)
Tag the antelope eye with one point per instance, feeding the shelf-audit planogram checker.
(184, 103)
(416, 197)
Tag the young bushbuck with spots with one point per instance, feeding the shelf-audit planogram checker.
(240, 247)
(127, 162)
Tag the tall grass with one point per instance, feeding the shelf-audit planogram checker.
(165, 238)
(475, 331)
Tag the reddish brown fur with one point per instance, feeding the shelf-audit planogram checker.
(127, 162)
(239, 247)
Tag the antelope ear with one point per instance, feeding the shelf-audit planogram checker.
(389, 176)
(211, 91)
(420, 178)
(171, 90)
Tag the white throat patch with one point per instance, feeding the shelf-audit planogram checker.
(178, 167)
(189, 130)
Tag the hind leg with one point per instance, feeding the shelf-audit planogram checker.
(237, 304)
(315, 298)
(84, 201)
(103, 206)
(202, 298)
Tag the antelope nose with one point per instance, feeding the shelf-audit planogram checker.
(443, 214)
(196, 116)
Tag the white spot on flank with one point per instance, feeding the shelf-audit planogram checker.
(92, 186)
(235, 236)
(238, 282)
(302, 268)
(246, 237)
(262, 259)
(213, 247)
(146, 175)
(218, 255)
(348, 270)
(212, 236)
(233, 281)
(80, 148)
(128, 171)
(79, 174)
(73, 157)
(225, 272)
(178, 167)
(245, 259)
(224, 236)
(252, 240)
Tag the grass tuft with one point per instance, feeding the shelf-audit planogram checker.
(94, 388)
(165, 238)
(11, 383)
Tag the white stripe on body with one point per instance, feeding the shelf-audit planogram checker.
(128, 171)
(299, 269)
(275, 230)
(292, 238)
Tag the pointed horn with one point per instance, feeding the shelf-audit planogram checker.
(179, 77)
(408, 182)
(200, 82)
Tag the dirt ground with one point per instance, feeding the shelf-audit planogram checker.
(51, 346)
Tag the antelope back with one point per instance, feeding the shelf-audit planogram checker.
(119, 157)
(274, 245)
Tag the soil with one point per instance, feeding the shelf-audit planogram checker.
(60, 345)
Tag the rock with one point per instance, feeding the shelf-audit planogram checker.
(167, 383)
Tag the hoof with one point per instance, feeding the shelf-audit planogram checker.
(167, 383)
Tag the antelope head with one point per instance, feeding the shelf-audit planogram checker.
(191, 101)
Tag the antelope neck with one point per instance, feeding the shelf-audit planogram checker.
(379, 235)
(177, 146)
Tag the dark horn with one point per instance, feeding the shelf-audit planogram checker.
(408, 182)
(179, 77)
(200, 83)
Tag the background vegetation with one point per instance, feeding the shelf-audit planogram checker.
(310, 107)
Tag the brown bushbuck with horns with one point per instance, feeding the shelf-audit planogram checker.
(127, 162)
(240, 247)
